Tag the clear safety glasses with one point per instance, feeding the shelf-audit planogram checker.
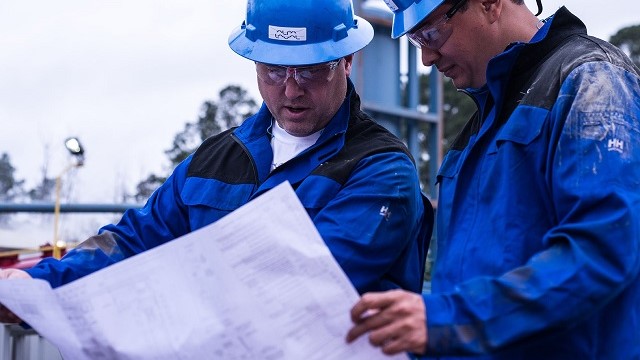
(304, 75)
(433, 36)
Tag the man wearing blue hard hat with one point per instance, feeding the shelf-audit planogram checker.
(538, 221)
(356, 180)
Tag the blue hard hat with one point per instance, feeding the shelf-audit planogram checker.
(409, 13)
(300, 32)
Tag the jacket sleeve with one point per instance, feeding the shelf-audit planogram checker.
(371, 225)
(591, 255)
(162, 219)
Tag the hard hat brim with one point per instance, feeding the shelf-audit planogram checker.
(296, 54)
(404, 21)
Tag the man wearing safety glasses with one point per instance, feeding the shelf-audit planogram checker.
(357, 181)
(538, 221)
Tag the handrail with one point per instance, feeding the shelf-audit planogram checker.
(400, 112)
(8, 207)
(22, 251)
(10, 258)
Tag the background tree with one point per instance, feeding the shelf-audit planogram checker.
(43, 191)
(628, 39)
(146, 187)
(457, 109)
(10, 187)
(234, 105)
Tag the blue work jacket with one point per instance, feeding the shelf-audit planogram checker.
(358, 184)
(538, 243)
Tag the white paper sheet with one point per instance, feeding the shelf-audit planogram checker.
(258, 284)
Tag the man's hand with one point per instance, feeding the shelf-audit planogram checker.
(7, 316)
(396, 321)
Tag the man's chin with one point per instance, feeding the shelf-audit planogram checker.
(458, 83)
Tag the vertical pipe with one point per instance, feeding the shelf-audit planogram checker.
(56, 218)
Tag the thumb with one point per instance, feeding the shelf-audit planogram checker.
(10, 274)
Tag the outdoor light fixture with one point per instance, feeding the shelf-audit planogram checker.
(77, 151)
(75, 148)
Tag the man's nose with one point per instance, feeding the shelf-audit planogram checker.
(291, 73)
(429, 57)
(291, 87)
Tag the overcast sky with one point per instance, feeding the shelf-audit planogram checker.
(125, 76)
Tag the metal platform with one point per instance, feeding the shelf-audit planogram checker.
(17, 343)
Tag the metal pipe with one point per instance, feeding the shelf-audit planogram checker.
(7, 207)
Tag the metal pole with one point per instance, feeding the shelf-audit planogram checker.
(57, 252)
(56, 217)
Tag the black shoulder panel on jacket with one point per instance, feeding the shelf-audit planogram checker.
(567, 49)
(364, 138)
(542, 67)
(222, 158)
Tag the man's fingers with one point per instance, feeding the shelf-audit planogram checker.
(6, 316)
(374, 310)
(372, 302)
(395, 321)
(356, 332)
(366, 324)
(371, 312)
(7, 274)
(382, 335)
(402, 334)
(392, 346)
(394, 329)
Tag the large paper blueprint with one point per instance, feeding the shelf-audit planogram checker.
(258, 284)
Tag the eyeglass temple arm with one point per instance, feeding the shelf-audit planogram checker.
(539, 3)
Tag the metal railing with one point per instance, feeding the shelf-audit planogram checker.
(6, 207)
(16, 342)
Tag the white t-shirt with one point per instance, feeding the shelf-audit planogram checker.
(286, 146)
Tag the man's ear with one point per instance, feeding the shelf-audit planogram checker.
(492, 8)
(347, 64)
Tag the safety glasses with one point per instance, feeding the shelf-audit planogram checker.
(433, 36)
(276, 75)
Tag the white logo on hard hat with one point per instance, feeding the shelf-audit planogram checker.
(287, 33)
(391, 5)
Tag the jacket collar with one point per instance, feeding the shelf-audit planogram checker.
(254, 134)
(508, 72)
(557, 29)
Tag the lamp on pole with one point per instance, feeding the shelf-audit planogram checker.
(77, 151)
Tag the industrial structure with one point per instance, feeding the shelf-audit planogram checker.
(387, 76)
